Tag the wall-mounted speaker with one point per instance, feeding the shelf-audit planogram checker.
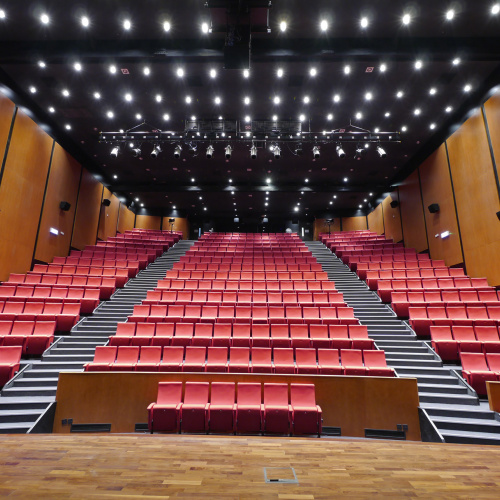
(106, 202)
(394, 204)
(64, 206)
(498, 215)
(433, 208)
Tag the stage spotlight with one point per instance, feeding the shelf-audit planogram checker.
(156, 151)
(360, 153)
(299, 151)
(277, 152)
(136, 152)
(316, 152)
(177, 151)
(115, 151)
(228, 151)
(210, 151)
(381, 152)
(253, 152)
(192, 149)
(340, 151)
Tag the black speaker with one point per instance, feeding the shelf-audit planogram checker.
(64, 206)
(498, 215)
(394, 204)
(106, 202)
(433, 208)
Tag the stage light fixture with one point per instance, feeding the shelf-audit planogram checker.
(115, 151)
(360, 153)
(177, 151)
(340, 151)
(228, 151)
(277, 152)
(253, 152)
(299, 151)
(315, 152)
(156, 151)
(381, 152)
(210, 151)
(136, 152)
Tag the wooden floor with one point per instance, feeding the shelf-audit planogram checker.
(194, 467)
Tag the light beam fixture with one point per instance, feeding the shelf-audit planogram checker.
(253, 152)
(340, 151)
(381, 151)
(177, 151)
(315, 152)
(210, 151)
(228, 150)
(115, 151)
(156, 151)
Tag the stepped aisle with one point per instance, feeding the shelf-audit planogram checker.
(26, 397)
(452, 405)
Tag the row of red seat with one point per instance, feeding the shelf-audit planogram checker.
(125, 252)
(243, 297)
(422, 318)
(281, 411)
(240, 360)
(244, 266)
(373, 277)
(401, 301)
(232, 259)
(233, 285)
(478, 368)
(450, 341)
(65, 315)
(121, 275)
(341, 315)
(87, 298)
(133, 265)
(242, 335)
(34, 337)
(10, 361)
(247, 275)
(426, 268)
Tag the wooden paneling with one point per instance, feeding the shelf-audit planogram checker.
(492, 112)
(108, 218)
(7, 109)
(148, 222)
(87, 211)
(352, 403)
(126, 219)
(180, 224)
(376, 220)
(477, 198)
(63, 183)
(412, 213)
(354, 223)
(21, 194)
(436, 188)
(392, 219)
(320, 226)
(493, 390)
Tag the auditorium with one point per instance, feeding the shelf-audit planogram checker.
(250, 249)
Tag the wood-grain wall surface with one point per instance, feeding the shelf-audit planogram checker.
(7, 109)
(392, 219)
(126, 219)
(180, 224)
(148, 222)
(412, 213)
(87, 211)
(477, 200)
(436, 188)
(232, 467)
(320, 226)
(354, 223)
(21, 194)
(63, 184)
(108, 219)
(376, 220)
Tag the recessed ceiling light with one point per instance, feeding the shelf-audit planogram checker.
(246, 100)
(137, 199)
(166, 26)
(33, 89)
(138, 116)
(468, 88)
(52, 110)
(283, 25)
(417, 112)
(345, 180)
(112, 69)
(247, 119)
(217, 100)
(383, 68)
(387, 114)
(359, 115)
(306, 99)
(128, 97)
(331, 203)
(276, 99)
(67, 126)
(97, 95)
(347, 70)
(115, 176)
(450, 15)
(213, 73)
(404, 128)
(246, 73)
(329, 117)
(449, 109)
(180, 72)
(418, 64)
(221, 118)
(204, 208)
(158, 98)
(193, 118)
(495, 9)
(142, 204)
(2, 14)
(336, 98)
(77, 66)
(406, 19)
(127, 24)
(364, 22)
(188, 99)
(280, 72)
(275, 118)
(400, 94)
(268, 180)
(65, 92)
(432, 91)
(110, 114)
(456, 61)
(432, 126)
(146, 71)
(41, 64)
(85, 21)
(302, 118)
(45, 19)
(335, 196)
(166, 117)
(204, 27)
(323, 25)
(313, 72)
(377, 130)
(368, 96)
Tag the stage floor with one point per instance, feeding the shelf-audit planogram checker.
(192, 467)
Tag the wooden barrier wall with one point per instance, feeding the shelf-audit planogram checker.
(180, 224)
(352, 403)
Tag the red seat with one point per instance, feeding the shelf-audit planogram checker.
(261, 360)
(306, 414)
(149, 360)
(126, 359)
(283, 360)
(157, 314)
(359, 336)
(144, 334)
(103, 357)
(476, 371)
(164, 333)
(443, 343)
(339, 337)
(183, 334)
(299, 336)
(260, 335)
(12, 310)
(239, 360)
(376, 363)
(42, 337)
(493, 360)
(222, 409)
(19, 334)
(277, 411)
(222, 335)
(306, 361)
(466, 339)
(279, 335)
(194, 410)
(328, 362)
(164, 415)
(241, 335)
(319, 336)
(10, 358)
(352, 362)
(249, 408)
(172, 359)
(216, 359)
(489, 338)
(479, 316)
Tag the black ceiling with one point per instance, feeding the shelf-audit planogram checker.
(471, 36)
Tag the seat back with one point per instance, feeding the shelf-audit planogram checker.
(10, 355)
(472, 361)
(150, 355)
(196, 393)
(328, 357)
(487, 333)
(305, 356)
(375, 359)
(283, 356)
(275, 394)
(463, 333)
(351, 357)
(441, 333)
(239, 355)
(493, 361)
(105, 354)
(223, 393)
(303, 395)
(173, 354)
(217, 355)
(127, 355)
(261, 356)
(169, 393)
(249, 394)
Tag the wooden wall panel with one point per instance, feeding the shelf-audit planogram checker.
(148, 222)
(412, 213)
(376, 220)
(477, 200)
(7, 109)
(320, 226)
(354, 223)
(392, 219)
(180, 224)
(21, 194)
(492, 112)
(108, 218)
(126, 219)
(63, 186)
(436, 188)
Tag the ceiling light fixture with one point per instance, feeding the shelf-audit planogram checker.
(383, 68)
(77, 66)
(127, 24)
(177, 151)
(329, 117)
(364, 22)
(146, 71)
(347, 70)
(180, 72)
(115, 151)
(65, 92)
(495, 9)
(406, 19)
(283, 26)
(204, 28)
(315, 152)
(450, 15)
(110, 114)
(253, 152)
(468, 88)
(246, 100)
(217, 100)
(210, 151)
(246, 73)
(213, 73)
(276, 99)
(33, 89)
(136, 152)
(112, 69)
(188, 99)
(418, 64)
(456, 61)
(156, 151)
(45, 19)
(307, 99)
(279, 73)
(340, 151)
(41, 64)
(166, 26)
(336, 98)
(277, 152)
(381, 151)
(85, 21)
(313, 72)
(360, 153)
(166, 117)
(228, 150)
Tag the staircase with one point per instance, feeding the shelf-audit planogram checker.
(25, 398)
(452, 406)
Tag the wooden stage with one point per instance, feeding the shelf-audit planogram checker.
(193, 467)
